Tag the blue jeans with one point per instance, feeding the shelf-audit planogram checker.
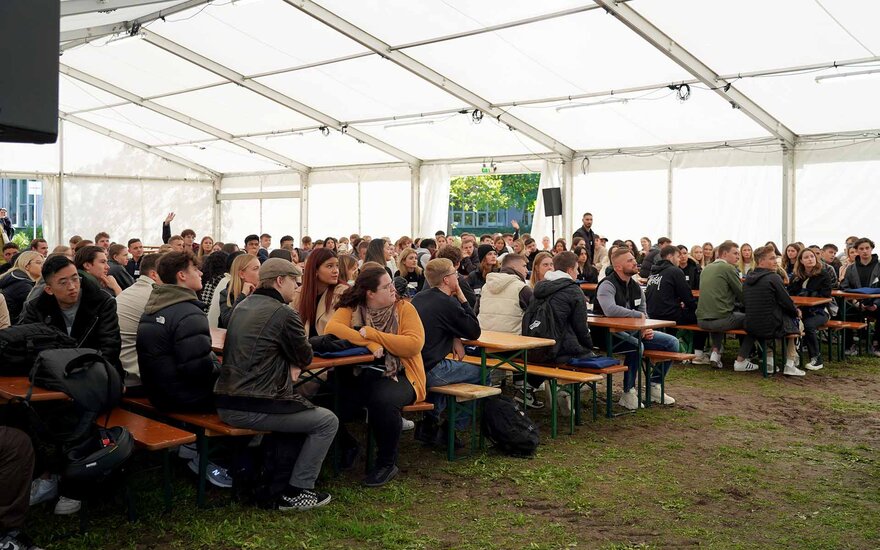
(661, 341)
(447, 372)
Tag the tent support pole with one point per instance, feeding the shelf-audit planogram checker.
(416, 199)
(304, 206)
(788, 194)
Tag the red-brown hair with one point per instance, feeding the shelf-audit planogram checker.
(308, 303)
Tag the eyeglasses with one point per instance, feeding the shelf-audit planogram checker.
(72, 281)
(449, 274)
(389, 286)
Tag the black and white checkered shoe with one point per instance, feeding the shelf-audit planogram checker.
(305, 500)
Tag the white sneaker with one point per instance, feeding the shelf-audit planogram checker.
(701, 358)
(656, 396)
(44, 489)
(66, 506)
(715, 359)
(744, 366)
(630, 400)
(792, 370)
(815, 363)
(406, 424)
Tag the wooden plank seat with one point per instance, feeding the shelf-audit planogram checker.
(843, 325)
(209, 422)
(421, 406)
(466, 392)
(205, 426)
(148, 434)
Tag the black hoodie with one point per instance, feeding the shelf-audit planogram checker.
(766, 302)
(667, 290)
(570, 311)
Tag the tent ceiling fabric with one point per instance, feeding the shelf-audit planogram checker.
(403, 105)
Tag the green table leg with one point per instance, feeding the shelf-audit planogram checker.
(553, 411)
(639, 374)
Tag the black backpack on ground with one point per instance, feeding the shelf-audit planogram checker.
(539, 321)
(508, 427)
(21, 344)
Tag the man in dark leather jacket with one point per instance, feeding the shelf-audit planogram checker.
(75, 305)
(265, 351)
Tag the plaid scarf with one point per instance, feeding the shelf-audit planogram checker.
(384, 320)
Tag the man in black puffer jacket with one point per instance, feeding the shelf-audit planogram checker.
(77, 306)
(177, 367)
(569, 308)
(767, 303)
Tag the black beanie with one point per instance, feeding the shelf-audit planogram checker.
(484, 249)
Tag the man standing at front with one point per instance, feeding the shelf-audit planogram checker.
(586, 233)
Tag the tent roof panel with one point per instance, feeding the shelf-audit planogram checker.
(314, 149)
(655, 119)
(74, 95)
(138, 67)
(143, 125)
(808, 107)
(223, 157)
(236, 110)
(256, 37)
(454, 136)
(755, 34)
(362, 88)
(402, 21)
(528, 63)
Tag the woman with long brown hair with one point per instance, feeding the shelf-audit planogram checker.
(408, 268)
(316, 299)
(543, 264)
(206, 246)
(812, 279)
(370, 315)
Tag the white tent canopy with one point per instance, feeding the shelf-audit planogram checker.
(706, 118)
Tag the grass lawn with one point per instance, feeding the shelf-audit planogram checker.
(738, 462)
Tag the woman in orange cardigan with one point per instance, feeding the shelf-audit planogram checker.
(369, 315)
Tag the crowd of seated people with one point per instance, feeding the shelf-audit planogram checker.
(410, 302)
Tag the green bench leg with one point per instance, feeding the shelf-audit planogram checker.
(553, 411)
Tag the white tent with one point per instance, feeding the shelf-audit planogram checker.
(701, 119)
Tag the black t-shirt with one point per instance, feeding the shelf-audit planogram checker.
(444, 318)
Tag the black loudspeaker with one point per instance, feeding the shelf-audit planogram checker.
(552, 202)
(29, 34)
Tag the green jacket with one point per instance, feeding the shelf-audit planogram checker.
(720, 289)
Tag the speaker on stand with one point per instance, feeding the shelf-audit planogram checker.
(553, 207)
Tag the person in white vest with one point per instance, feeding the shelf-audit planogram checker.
(505, 296)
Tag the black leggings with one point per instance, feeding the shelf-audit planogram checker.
(383, 398)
